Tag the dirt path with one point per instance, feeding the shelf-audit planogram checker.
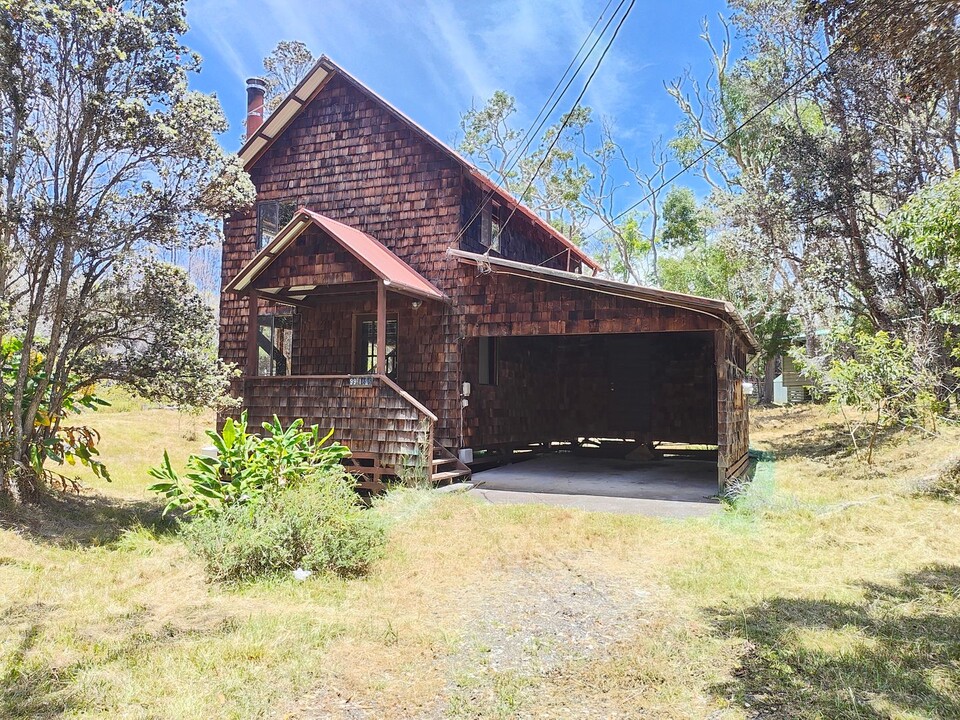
(537, 620)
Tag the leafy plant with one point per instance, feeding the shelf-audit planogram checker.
(247, 466)
(48, 438)
(877, 374)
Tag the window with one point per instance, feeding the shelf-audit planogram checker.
(488, 361)
(271, 216)
(275, 345)
(367, 346)
(490, 226)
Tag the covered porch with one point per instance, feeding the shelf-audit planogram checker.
(326, 304)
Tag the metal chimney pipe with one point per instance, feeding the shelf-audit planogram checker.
(256, 88)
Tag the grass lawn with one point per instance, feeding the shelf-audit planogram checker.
(831, 590)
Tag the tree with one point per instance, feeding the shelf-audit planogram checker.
(104, 153)
(834, 140)
(627, 244)
(543, 172)
(285, 66)
(921, 37)
(882, 377)
(930, 222)
(685, 222)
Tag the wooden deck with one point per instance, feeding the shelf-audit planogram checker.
(389, 432)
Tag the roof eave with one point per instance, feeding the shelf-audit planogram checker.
(720, 309)
(288, 110)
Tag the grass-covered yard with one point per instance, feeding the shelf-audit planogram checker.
(831, 590)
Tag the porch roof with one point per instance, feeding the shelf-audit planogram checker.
(394, 272)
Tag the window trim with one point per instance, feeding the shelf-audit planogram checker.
(358, 351)
(290, 204)
(290, 320)
(490, 217)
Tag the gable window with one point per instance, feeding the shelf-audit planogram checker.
(366, 357)
(488, 361)
(490, 226)
(275, 345)
(271, 216)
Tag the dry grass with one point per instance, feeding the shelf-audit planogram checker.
(830, 591)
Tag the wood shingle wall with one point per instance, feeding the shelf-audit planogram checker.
(733, 413)
(502, 304)
(348, 158)
(372, 416)
(315, 255)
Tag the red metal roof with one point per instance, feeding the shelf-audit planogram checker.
(395, 273)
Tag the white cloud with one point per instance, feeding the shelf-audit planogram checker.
(451, 51)
(458, 48)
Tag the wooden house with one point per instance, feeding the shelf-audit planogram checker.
(385, 286)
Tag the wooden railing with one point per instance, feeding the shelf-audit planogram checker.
(370, 414)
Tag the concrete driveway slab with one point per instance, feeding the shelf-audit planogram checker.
(672, 487)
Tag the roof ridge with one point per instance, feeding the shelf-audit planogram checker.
(309, 87)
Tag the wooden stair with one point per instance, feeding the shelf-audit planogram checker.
(446, 467)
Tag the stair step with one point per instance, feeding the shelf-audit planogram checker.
(443, 461)
(448, 475)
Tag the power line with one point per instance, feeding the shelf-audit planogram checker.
(754, 116)
(530, 134)
(576, 104)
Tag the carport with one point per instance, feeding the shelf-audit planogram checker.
(557, 362)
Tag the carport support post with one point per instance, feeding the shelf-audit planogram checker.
(381, 328)
(720, 359)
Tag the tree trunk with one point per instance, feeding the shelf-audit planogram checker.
(769, 369)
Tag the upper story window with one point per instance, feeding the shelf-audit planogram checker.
(490, 226)
(271, 216)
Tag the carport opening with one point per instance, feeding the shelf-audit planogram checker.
(630, 398)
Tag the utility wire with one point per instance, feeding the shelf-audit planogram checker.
(719, 143)
(576, 104)
(538, 122)
(530, 134)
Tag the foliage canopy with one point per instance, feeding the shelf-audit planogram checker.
(104, 154)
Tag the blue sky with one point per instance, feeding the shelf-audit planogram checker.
(433, 58)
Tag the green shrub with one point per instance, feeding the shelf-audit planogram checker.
(318, 526)
(49, 436)
(247, 466)
(887, 380)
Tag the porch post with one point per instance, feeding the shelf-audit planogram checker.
(381, 328)
(253, 321)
